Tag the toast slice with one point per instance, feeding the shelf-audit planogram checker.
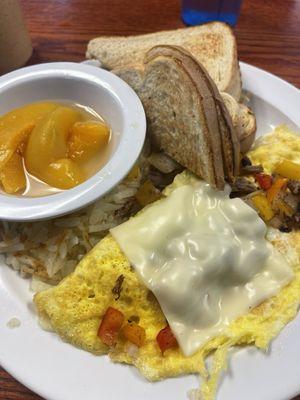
(186, 116)
(212, 44)
(220, 121)
(244, 121)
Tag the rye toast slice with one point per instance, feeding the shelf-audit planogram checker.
(210, 127)
(175, 115)
(182, 112)
(218, 123)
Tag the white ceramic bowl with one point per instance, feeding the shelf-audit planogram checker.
(101, 90)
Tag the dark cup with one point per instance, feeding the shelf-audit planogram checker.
(195, 12)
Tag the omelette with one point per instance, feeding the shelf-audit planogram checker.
(269, 149)
(75, 307)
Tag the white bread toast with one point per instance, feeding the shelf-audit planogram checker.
(212, 44)
(186, 116)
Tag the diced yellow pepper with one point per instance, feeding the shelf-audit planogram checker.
(147, 193)
(48, 141)
(12, 175)
(134, 173)
(63, 174)
(288, 169)
(87, 139)
(263, 206)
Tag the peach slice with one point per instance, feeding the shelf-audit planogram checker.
(12, 175)
(87, 139)
(47, 142)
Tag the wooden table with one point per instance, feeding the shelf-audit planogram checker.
(268, 36)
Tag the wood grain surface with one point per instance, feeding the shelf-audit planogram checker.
(268, 35)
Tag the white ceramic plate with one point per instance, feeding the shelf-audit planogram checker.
(58, 371)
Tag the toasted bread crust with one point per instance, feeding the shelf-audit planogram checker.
(229, 139)
(212, 44)
(186, 115)
(198, 77)
(243, 120)
(176, 135)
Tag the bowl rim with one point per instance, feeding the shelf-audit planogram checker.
(18, 208)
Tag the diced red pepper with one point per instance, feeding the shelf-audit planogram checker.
(264, 181)
(110, 326)
(166, 339)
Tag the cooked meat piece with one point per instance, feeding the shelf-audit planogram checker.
(276, 222)
(252, 169)
(285, 228)
(294, 221)
(294, 186)
(283, 224)
(243, 185)
(245, 161)
(160, 180)
(116, 290)
(291, 200)
(296, 218)
(285, 203)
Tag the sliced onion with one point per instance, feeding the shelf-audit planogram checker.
(163, 162)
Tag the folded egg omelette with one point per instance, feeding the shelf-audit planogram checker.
(75, 307)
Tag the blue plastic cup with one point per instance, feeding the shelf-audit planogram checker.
(195, 12)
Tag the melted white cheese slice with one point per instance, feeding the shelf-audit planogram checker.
(206, 259)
